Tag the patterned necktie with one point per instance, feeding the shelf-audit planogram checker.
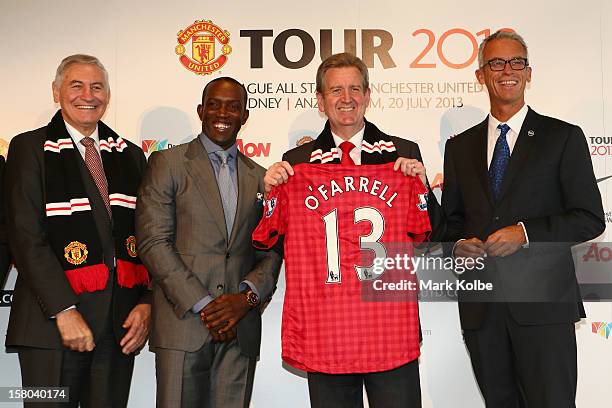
(501, 156)
(346, 148)
(94, 164)
(229, 196)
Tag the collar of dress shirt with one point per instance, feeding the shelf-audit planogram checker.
(211, 147)
(515, 122)
(356, 139)
(77, 136)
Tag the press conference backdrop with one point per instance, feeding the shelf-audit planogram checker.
(422, 58)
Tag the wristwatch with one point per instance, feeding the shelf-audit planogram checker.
(251, 297)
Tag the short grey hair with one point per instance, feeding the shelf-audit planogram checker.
(500, 35)
(78, 59)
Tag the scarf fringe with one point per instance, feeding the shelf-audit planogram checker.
(130, 274)
(88, 279)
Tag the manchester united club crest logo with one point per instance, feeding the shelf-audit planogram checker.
(208, 45)
(75, 253)
(130, 246)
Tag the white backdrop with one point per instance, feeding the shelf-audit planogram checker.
(418, 85)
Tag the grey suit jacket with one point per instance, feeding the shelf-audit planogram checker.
(183, 242)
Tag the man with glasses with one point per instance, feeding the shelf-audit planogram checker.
(513, 185)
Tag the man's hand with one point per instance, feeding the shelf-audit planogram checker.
(411, 167)
(137, 324)
(74, 331)
(223, 337)
(469, 248)
(505, 241)
(277, 174)
(223, 313)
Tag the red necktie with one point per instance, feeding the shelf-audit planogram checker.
(94, 164)
(346, 148)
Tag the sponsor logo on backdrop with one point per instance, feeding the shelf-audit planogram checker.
(597, 253)
(600, 145)
(602, 329)
(599, 180)
(249, 149)
(151, 145)
(253, 149)
(203, 47)
(608, 216)
(6, 298)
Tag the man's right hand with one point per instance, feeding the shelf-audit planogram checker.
(277, 174)
(75, 332)
(469, 248)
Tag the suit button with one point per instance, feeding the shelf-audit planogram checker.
(219, 287)
(227, 255)
(496, 218)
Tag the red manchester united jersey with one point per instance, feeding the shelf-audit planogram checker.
(336, 220)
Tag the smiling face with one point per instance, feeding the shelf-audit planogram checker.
(344, 101)
(507, 87)
(223, 112)
(83, 95)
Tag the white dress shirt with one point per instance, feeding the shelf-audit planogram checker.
(356, 139)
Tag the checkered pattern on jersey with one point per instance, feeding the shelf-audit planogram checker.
(327, 326)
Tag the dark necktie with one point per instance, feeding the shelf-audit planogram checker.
(229, 197)
(501, 156)
(346, 148)
(94, 164)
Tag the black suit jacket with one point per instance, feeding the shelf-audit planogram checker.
(404, 148)
(5, 255)
(42, 289)
(549, 185)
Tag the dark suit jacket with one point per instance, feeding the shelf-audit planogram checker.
(42, 289)
(183, 241)
(549, 185)
(5, 254)
(404, 148)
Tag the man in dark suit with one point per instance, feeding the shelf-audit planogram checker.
(197, 208)
(537, 198)
(343, 94)
(81, 306)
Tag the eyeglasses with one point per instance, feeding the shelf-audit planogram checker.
(517, 64)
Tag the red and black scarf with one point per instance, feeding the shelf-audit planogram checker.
(71, 228)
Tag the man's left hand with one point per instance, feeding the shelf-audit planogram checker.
(226, 311)
(411, 167)
(505, 241)
(137, 324)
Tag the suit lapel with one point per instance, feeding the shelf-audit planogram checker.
(521, 151)
(481, 160)
(200, 169)
(247, 190)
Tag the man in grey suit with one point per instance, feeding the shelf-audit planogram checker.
(197, 208)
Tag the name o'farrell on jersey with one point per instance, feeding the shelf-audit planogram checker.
(334, 223)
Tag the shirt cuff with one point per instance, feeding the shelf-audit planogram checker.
(526, 244)
(245, 283)
(201, 304)
(68, 308)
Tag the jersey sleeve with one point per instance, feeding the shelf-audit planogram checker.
(273, 222)
(417, 220)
